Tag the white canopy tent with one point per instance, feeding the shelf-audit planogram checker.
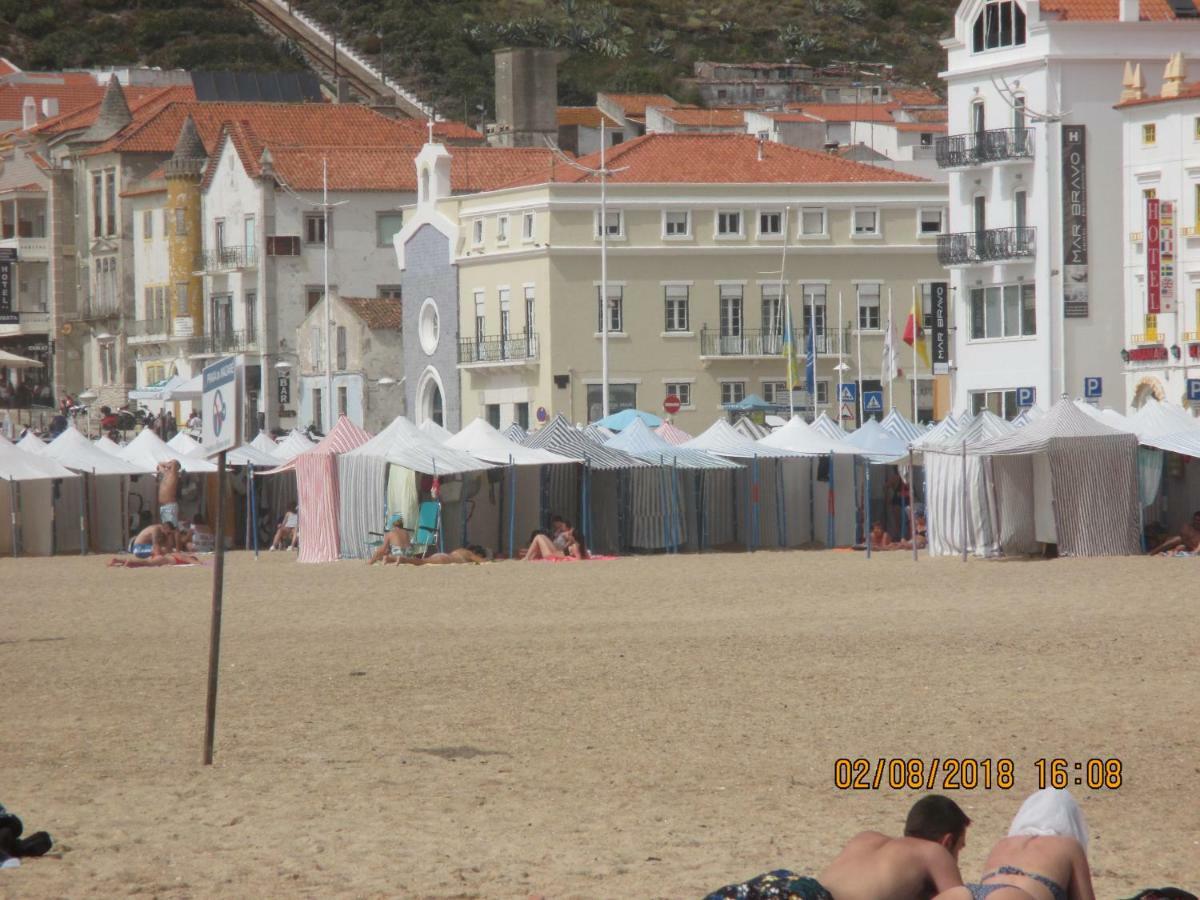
(191, 389)
(148, 449)
(30, 489)
(895, 424)
(434, 430)
(828, 427)
(292, 446)
(157, 390)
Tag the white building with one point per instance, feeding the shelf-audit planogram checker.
(1161, 140)
(1033, 140)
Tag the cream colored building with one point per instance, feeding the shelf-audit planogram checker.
(696, 238)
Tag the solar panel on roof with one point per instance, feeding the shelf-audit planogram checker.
(251, 87)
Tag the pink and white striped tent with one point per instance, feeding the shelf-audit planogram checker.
(317, 487)
(672, 434)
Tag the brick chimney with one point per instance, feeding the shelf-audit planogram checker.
(1127, 10)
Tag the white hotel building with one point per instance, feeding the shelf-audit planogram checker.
(1033, 308)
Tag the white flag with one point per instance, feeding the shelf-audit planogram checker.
(890, 367)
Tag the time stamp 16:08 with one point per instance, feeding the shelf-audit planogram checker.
(969, 773)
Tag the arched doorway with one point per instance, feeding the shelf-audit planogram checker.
(1146, 388)
(430, 398)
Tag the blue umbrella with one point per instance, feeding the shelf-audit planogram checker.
(620, 420)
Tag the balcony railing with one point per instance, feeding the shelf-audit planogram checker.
(990, 245)
(99, 308)
(221, 342)
(980, 147)
(496, 350)
(142, 328)
(224, 259)
(767, 343)
(29, 249)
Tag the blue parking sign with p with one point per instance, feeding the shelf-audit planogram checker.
(1026, 397)
(1093, 387)
(848, 393)
(1193, 388)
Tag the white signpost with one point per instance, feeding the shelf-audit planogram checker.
(221, 409)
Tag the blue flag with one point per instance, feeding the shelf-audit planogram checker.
(810, 367)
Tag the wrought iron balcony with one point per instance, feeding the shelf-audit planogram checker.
(221, 342)
(495, 350)
(225, 259)
(978, 148)
(990, 245)
(768, 343)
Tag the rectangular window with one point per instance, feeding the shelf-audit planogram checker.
(250, 303)
(931, 221)
(97, 204)
(676, 304)
(614, 224)
(772, 319)
(480, 320)
(866, 221)
(283, 245)
(477, 233)
(926, 305)
(491, 412)
(1002, 403)
(1003, 311)
(340, 362)
(110, 202)
(729, 223)
(731, 317)
(770, 223)
(620, 396)
(527, 227)
(680, 389)
(181, 300)
(775, 392)
(342, 400)
(1196, 206)
(868, 307)
(812, 221)
(161, 308)
(616, 319)
(530, 301)
(505, 318)
(389, 291)
(1149, 133)
(677, 223)
(521, 414)
(387, 225)
(502, 229)
(148, 304)
(312, 296)
(318, 410)
(147, 225)
(219, 235)
(250, 237)
(822, 393)
(732, 392)
(1196, 128)
(314, 228)
(813, 313)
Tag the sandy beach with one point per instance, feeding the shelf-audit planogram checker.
(647, 727)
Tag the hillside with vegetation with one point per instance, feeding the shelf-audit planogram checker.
(442, 48)
(184, 34)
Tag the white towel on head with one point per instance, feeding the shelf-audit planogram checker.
(1050, 812)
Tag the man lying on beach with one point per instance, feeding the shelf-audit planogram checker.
(1187, 543)
(395, 543)
(461, 556)
(154, 540)
(873, 866)
(166, 559)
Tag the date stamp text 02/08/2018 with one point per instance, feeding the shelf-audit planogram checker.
(969, 773)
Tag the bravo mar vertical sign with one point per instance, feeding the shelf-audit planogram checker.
(1075, 224)
(220, 407)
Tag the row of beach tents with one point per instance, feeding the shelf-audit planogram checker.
(1072, 476)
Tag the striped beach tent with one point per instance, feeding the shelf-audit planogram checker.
(515, 432)
(895, 424)
(1075, 479)
(317, 489)
(833, 522)
(828, 427)
(672, 433)
(751, 429)
(293, 445)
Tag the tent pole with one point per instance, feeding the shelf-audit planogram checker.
(964, 501)
(512, 505)
(83, 512)
(500, 520)
(867, 508)
(781, 504)
(12, 513)
(912, 505)
(254, 509)
(55, 493)
(677, 519)
(830, 508)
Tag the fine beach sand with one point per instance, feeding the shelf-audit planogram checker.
(649, 727)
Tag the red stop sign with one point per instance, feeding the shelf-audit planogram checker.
(671, 404)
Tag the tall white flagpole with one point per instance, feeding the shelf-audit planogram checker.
(790, 351)
(329, 423)
(916, 337)
(603, 278)
(891, 345)
(812, 343)
(861, 418)
(840, 369)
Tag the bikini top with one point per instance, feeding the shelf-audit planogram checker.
(1056, 890)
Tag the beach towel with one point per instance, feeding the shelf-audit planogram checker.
(170, 559)
(778, 885)
(595, 557)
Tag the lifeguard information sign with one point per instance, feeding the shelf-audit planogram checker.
(221, 406)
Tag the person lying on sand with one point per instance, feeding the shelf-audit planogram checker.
(873, 866)
(1187, 543)
(460, 556)
(1044, 856)
(167, 559)
(154, 540)
(395, 541)
(922, 540)
(541, 547)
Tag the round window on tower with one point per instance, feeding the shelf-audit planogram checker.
(428, 327)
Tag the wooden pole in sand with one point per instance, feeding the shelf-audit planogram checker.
(214, 641)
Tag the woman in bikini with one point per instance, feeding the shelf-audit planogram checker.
(541, 547)
(1044, 856)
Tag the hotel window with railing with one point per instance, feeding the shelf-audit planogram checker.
(1003, 311)
(1000, 24)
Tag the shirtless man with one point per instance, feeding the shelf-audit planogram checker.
(396, 537)
(460, 556)
(154, 540)
(924, 862)
(168, 494)
(1188, 539)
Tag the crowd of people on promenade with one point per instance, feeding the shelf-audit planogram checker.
(1043, 857)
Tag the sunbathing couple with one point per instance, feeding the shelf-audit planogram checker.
(394, 550)
(1044, 857)
(1186, 544)
(567, 542)
(881, 540)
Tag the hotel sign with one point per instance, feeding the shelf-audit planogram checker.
(1075, 225)
(1160, 256)
(939, 308)
(8, 316)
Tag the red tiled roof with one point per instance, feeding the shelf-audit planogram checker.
(720, 159)
(916, 97)
(847, 112)
(635, 104)
(587, 116)
(1186, 92)
(929, 115)
(6, 67)
(792, 117)
(376, 313)
(1107, 10)
(488, 168)
(72, 90)
(24, 189)
(143, 102)
(718, 117)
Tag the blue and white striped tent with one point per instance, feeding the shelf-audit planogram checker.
(895, 424)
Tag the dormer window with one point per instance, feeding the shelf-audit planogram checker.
(1001, 24)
